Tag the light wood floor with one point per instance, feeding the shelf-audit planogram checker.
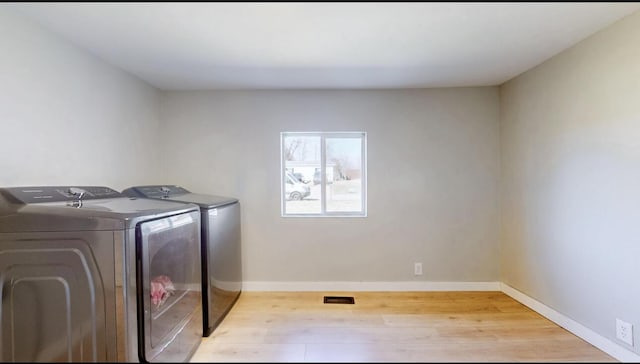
(390, 327)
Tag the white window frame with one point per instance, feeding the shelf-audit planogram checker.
(323, 203)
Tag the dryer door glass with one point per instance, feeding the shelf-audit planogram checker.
(170, 276)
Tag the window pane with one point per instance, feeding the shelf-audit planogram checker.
(343, 171)
(302, 157)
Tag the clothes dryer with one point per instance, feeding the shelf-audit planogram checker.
(221, 247)
(90, 275)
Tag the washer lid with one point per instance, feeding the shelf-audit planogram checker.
(39, 209)
(38, 194)
(204, 201)
(179, 194)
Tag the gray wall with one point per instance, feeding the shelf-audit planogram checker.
(433, 159)
(570, 136)
(68, 118)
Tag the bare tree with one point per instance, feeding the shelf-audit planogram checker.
(291, 146)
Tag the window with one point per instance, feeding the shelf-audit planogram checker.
(324, 174)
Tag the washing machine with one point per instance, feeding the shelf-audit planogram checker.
(90, 275)
(221, 247)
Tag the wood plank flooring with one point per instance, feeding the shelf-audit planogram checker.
(390, 327)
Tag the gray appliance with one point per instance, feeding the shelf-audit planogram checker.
(221, 247)
(90, 275)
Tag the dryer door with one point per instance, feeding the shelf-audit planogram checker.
(169, 276)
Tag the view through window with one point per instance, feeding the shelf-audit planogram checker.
(323, 174)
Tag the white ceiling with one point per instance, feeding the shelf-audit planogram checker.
(189, 46)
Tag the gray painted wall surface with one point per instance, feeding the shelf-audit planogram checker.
(433, 159)
(67, 118)
(570, 136)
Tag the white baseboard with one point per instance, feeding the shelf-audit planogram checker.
(615, 350)
(370, 286)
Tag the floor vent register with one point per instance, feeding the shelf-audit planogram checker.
(339, 299)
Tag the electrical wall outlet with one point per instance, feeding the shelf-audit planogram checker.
(417, 269)
(624, 331)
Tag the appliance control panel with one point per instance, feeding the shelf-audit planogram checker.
(60, 193)
(160, 191)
